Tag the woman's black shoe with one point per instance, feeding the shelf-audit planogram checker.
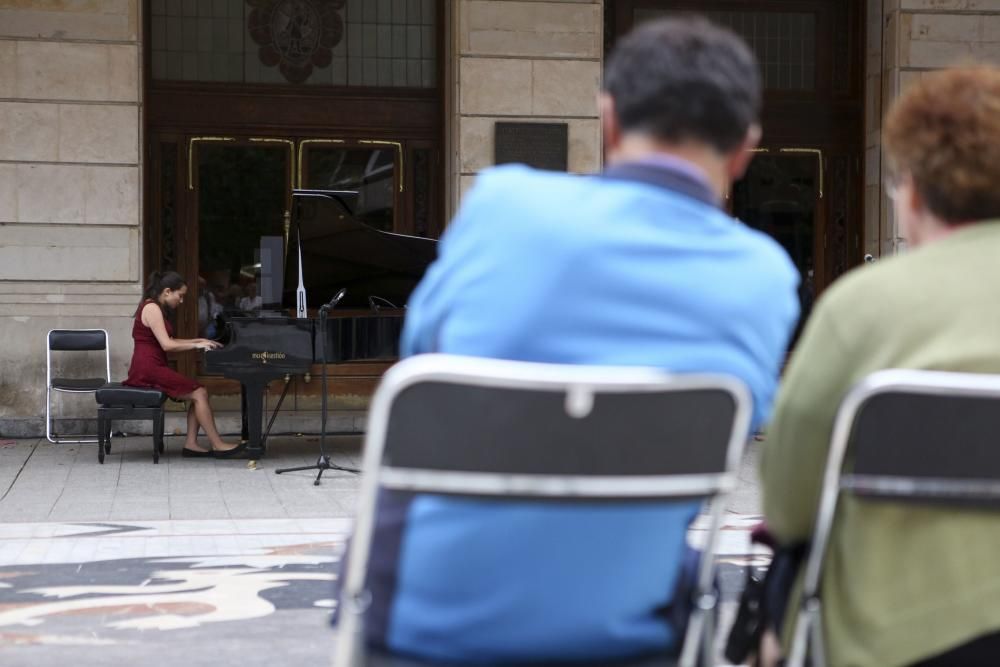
(237, 452)
(194, 454)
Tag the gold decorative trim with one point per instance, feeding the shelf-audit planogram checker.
(399, 149)
(303, 142)
(810, 151)
(191, 142)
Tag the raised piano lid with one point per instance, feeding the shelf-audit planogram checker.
(338, 251)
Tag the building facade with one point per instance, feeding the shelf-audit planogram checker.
(138, 135)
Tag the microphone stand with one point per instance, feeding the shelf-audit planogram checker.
(323, 462)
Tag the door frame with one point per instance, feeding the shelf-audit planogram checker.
(173, 111)
(830, 119)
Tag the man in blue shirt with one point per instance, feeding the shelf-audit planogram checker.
(636, 266)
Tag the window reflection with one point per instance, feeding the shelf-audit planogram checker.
(367, 175)
(779, 196)
(241, 198)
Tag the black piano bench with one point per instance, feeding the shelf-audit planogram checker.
(116, 402)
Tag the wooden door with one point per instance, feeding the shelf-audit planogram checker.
(211, 199)
(782, 194)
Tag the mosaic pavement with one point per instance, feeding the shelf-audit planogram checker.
(252, 592)
(168, 592)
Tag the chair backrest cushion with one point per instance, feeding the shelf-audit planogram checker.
(457, 427)
(77, 339)
(925, 435)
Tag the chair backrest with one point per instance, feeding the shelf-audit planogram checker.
(898, 436)
(907, 436)
(76, 340)
(484, 427)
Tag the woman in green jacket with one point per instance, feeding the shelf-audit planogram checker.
(905, 585)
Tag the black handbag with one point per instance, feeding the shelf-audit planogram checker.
(744, 636)
(764, 601)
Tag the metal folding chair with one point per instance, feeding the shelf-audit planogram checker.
(490, 428)
(73, 340)
(893, 423)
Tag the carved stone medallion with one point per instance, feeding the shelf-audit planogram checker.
(296, 35)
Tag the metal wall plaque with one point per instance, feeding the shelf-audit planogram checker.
(540, 145)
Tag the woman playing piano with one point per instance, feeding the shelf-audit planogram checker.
(153, 336)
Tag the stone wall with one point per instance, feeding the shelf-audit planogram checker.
(874, 199)
(924, 35)
(525, 60)
(70, 187)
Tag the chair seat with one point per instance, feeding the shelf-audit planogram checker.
(114, 394)
(78, 384)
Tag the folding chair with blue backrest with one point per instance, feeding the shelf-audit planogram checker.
(548, 433)
(73, 340)
(893, 423)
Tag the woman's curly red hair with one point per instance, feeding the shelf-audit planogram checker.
(944, 133)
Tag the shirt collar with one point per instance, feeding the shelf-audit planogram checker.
(668, 172)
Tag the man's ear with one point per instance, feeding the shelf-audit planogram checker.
(610, 127)
(739, 158)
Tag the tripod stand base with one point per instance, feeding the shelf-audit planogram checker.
(322, 465)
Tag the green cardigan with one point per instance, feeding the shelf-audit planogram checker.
(900, 583)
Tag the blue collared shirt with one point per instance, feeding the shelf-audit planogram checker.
(611, 269)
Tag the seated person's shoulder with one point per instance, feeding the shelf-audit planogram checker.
(516, 184)
(515, 197)
(870, 289)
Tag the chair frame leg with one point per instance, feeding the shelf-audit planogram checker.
(103, 437)
(83, 439)
(163, 419)
(157, 436)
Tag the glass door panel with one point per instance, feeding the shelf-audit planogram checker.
(367, 173)
(780, 195)
(243, 192)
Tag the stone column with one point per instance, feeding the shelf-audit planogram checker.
(524, 60)
(924, 35)
(70, 188)
(873, 128)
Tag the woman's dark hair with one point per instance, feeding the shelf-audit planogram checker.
(684, 79)
(157, 282)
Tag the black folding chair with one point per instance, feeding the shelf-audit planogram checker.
(490, 428)
(73, 340)
(893, 423)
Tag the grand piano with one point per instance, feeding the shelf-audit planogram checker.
(379, 271)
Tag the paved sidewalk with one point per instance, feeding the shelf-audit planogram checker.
(198, 562)
(40, 481)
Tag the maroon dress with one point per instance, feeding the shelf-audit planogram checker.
(149, 362)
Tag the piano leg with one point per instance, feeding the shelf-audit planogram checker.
(244, 433)
(253, 415)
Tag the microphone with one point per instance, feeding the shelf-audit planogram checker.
(334, 301)
(373, 303)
